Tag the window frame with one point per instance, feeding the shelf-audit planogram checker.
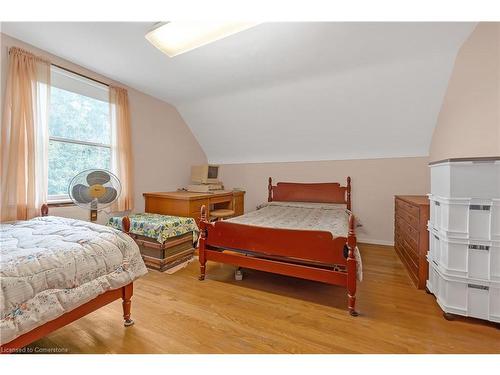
(64, 198)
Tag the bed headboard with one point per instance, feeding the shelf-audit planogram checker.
(330, 192)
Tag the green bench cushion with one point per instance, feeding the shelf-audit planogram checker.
(158, 227)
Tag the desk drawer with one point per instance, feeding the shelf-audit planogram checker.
(195, 206)
(223, 199)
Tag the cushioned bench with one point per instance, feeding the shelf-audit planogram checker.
(165, 241)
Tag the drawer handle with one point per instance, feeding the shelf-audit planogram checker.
(480, 287)
(479, 207)
(437, 203)
(479, 247)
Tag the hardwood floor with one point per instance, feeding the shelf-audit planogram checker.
(268, 313)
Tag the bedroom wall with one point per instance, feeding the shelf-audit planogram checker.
(164, 147)
(374, 184)
(341, 82)
(469, 121)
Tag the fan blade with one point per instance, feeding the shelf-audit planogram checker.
(109, 196)
(98, 178)
(81, 194)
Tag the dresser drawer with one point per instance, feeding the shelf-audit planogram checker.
(407, 231)
(409, 246)
(408, 261)
(410, 209)
(410, 243)
(411, 250)
(412, 220)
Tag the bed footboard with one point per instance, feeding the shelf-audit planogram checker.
(305, 254)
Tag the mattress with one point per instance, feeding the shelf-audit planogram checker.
(52, 265)
(329, 217)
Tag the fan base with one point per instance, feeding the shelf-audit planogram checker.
(93, 215)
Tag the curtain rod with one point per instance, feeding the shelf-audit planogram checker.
(11, 49)
(80, 74)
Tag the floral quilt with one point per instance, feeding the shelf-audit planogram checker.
(333, 218)
(328, 217)
(52, 265)
(158, 227)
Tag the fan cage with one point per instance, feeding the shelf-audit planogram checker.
(94, 205)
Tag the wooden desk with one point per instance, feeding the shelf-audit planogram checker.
(188, 204)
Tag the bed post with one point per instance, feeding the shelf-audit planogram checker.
(126, 224)
(201, 247)
(349, 193)
(127, 292)
(270, 190)
(351, 267)
(44, 210)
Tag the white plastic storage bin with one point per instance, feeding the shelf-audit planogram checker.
(474, 259)
(465, 297)
(467, 218)
(466, 178)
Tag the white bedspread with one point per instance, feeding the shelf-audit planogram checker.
(51, 265)
(333, 218)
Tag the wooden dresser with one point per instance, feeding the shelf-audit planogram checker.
(411, 238)
(188, 204)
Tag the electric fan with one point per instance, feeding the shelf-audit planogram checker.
(94, 189)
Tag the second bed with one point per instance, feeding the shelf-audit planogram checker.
(305, 231)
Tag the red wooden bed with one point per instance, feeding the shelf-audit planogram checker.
(125, 293)
(306, 254)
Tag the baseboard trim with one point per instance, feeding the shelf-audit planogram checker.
(375, 242)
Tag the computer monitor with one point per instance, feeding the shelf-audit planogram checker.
(205, 174)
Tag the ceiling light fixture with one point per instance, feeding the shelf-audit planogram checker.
(174, 38)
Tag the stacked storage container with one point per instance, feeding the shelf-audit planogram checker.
(464, 237)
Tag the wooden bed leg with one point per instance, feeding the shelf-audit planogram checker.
(201, 247)
(202, 271)
(351, 268)
(352, 305)
(127, 292)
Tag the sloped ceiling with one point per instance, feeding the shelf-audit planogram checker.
(282, 91)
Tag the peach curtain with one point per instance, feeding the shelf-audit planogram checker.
(24, 143)
(121, 146)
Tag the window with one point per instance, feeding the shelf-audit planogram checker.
(79, 130)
